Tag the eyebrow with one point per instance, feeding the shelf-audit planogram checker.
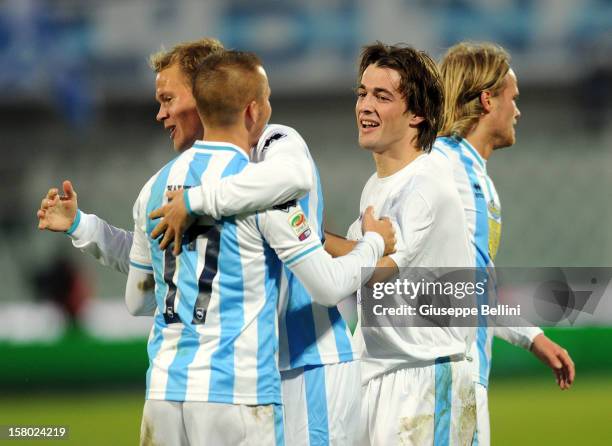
(376, 90)
(160, 94)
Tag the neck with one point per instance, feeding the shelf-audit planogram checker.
(395, 159)
(480, 141)
(233, 135)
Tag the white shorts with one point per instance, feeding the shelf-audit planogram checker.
(483, 429)
(322, 404)
(428, 405)
(173, 423)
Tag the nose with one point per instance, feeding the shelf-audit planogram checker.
(161, 114)
(364, 104)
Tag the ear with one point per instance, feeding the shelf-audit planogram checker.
(251, 114)
(485, 101)
(416, 120)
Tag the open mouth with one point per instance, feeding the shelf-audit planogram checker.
(172, 131)
(368, 124)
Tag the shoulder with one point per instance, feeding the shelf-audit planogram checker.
(433, 181)
(160, 177)
(369, 184)
(276, 135)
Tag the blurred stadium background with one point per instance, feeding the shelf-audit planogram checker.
(77, 103)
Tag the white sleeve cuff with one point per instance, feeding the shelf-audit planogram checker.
(377, 242)
(85, 228)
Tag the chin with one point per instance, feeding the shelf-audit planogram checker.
(366, 143)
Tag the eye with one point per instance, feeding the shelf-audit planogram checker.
(361, 94)
(382, 98)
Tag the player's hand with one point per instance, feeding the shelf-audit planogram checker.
(57, 213)
(383, 226)
(555, 357)
(175, 220)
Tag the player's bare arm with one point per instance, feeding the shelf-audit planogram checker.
(57, 212)
(555, 357)
(338, 246)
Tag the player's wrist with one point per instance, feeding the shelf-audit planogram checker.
(75, 223)
(533, 339)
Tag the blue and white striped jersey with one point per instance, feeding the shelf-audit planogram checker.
(310, 334)
(215, 333)
(483, 216)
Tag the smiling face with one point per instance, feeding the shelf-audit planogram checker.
(382, 120)
(504, 113)
(177, 108)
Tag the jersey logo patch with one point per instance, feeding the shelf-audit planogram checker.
(299, 224)
(494, 210)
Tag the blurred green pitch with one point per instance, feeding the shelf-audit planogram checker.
(527, 411)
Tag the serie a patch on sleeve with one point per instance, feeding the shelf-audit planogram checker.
(299, 224)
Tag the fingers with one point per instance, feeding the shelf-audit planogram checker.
(569, 365)
(69, 192)
(555, 363)
(165, 241)
(394, 241)
(49, 198)
(157, 213)
(173, 193)
(568, 369)
(52, 193)
(42, 223)
(177, 244)
(46, 203)
(161, 226)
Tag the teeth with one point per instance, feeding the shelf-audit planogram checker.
(369, 124)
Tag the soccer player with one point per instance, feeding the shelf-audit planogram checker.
(417, 386)
(319, 375)
(480, 113)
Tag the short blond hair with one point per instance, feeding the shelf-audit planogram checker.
(467, 70)
(225, 84)
(188, 55)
